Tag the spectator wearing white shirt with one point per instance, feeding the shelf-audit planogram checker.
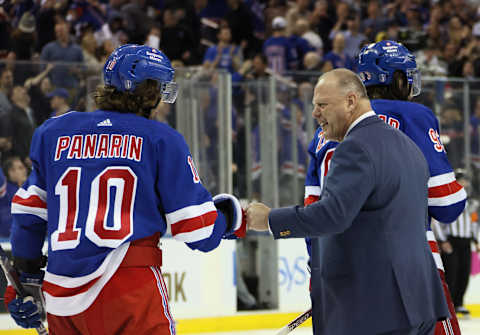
(429, 63)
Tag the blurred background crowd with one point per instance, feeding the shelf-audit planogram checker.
(51, 49)
(52, 54)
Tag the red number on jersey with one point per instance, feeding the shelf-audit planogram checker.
(435, 138)
(123, 180)
(196, 177)
(326, 161)
(96, 229)
(391, 121)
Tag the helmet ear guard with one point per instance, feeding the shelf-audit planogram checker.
(130, 65)
(377, 63)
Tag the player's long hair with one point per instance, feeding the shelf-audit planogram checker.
(399, 89)
(141, 101)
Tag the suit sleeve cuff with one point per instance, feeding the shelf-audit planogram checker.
(280, 221)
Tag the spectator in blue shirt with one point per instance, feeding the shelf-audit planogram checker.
(63, 50)
(301, 45)
(223, 55)
(338, 58)
(59, 101)
(353, 37)
(281, 54)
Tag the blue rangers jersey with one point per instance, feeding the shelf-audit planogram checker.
(321, 152)
(446, 197)
(281, 54)
(101, 180)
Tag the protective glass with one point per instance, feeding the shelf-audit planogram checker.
(169, 92)
(414, 74)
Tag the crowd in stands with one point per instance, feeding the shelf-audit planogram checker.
(49, 50)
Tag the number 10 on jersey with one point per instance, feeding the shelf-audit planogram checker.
(120, 178)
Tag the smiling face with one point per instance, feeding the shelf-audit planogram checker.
(330, 109)
(339, 98)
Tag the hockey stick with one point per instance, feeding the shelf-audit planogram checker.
(12, 277)
(295, 323)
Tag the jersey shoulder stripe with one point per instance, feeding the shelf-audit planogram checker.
(30, 201)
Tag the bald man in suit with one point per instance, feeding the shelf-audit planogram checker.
(372, 269)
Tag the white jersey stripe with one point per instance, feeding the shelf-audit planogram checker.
(196, 235)
(438, 261)
(436, 256)
(37, 211)
(430, 236)
(189, 212)
(32, 190)
(3, 189)
(448, 200)
(312, 190)
(441, 179)
(71, 305)
(73, 282)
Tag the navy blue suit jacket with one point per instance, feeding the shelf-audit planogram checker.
(372, 268)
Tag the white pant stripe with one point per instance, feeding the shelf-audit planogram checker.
(450, 327)
(445, 328)
(164, 296)
(164, 287)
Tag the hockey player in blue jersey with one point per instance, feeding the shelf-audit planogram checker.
(390, 73)
(391, 77)
(104, 187)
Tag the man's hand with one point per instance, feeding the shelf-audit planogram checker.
(257, 216)
(446, 247)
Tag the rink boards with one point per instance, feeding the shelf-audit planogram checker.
(202, 290)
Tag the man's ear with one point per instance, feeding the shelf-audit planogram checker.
(352, 101)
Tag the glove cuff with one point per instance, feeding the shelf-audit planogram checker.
(27, 265)
(236, 206)
(242, 230)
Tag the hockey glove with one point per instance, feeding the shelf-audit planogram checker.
(29, 311)
(234, 215)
